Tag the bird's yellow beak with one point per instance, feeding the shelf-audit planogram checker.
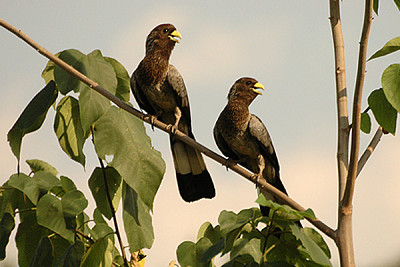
(257, 86)
(175, 34)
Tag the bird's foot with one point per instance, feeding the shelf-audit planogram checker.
(257, 178)
(172, 129)
(150, 117)
(230, 162)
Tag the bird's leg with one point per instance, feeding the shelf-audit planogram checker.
(173, 128)
(261, 167)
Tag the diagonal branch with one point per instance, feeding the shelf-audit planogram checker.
(355, 130)
(368, 151)
(263, 185)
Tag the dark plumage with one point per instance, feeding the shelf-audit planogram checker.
(160, 90)
(243, 137)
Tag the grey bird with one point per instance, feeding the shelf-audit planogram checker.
(159, 89)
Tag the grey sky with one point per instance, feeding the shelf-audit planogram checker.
(285, 45)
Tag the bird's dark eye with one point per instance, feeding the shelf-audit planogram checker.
(165, 30)
(248, 82)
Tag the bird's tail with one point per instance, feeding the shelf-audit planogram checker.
(194, 181)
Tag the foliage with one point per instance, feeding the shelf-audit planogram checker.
(254, 240)
(54, 229)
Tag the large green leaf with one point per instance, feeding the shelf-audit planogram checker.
(207, 230)
(46, 180)
(384, 113)
(243, 247)
(25, 184)
(100, 254)
(137, 220)
(92, 105)
(72, 256)
(50, 215)
(391, 85)
(202, 246)
(39, 165)
(312, 248)
(73, 203)
(376, 6)
(98, 189)
(67, 126)
(7, 224)
(186, 254)
(101, 230)
(123, 79)
(27, 239)
(314, 235)
(122, 135)
(390, 47)
(43, 256)
(48, 72)
(67, 184)
(32, 117)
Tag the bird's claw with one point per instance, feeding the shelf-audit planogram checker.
(256, 177)
(152, 119)
(172, 129)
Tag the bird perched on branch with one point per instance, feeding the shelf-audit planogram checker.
(244, 139)
(159, 89)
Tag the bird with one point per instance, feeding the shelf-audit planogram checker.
(160, 90)
(244, 139)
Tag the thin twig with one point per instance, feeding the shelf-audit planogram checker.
(103, 169)
(368, 151)
(164, 127)
(88, 238)
(355, 130)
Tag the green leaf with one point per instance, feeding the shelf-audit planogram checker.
(285, 209)
(312, 248)
(50, 215)
(25, 184)
(202, 246)
(376, 6)
(227, 221)
(243, 247)
(68, 129)
(7, 224)
(101, 230)
(390, 47)
(137, 220)
(384, 113)
(48, 72)
(212, 251)
(92, 105)
(97, 217)
(122, 135)
(46, 180)
(317, 238)
(365, 123)
(73, 203)
(43, 256)
(39, 165)
(123, 80)
(186, 254)
(72, 256)
(98, 189)
(391, 85)
(67, 184)
(207, 230)
(27, 239)
(397, 2)
(100, 254)
(32, 117)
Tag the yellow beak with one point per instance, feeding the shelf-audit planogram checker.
(175, 34)
(257, 86)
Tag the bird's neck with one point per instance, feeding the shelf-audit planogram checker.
(156, 66)
(239, 113)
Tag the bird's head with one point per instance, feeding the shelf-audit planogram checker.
(246, 89)
(162, 37)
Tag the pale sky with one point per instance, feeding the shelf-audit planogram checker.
(286, 45)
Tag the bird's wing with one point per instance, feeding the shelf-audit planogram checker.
(175, 80)
(140, 96)
(260, 133)
(222, 144)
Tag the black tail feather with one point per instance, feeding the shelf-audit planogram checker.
(195, 187)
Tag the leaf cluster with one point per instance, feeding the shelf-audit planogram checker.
(53, 225)
(253, 240)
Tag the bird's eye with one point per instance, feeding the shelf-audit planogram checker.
(248, 82)
(165, 30)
